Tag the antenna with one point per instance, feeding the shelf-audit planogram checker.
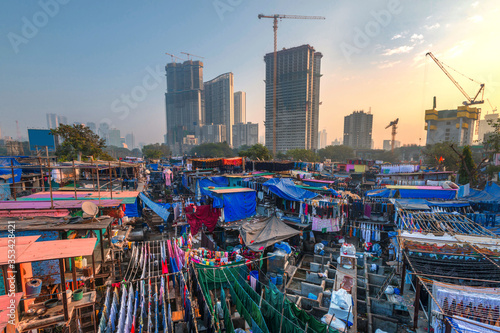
(90, 209)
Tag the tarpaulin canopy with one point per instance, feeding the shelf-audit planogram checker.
(445, 194)
(422, 204)
(159, 209)
(285, 188)
(206, 182)
(258, 236)
(491, 192)
(238, 202)
(6, 170)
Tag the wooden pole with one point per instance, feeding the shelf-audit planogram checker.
(403, 277)
(50, 182)
(41, 174)
(98, 185)
(13, 179)
(73, 271)
(93, 270)
(110, 181)
(102, 247)
(416, 304)
(63, 290)
(74, 179)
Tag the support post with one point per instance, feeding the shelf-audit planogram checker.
(403, 277)
(50, 178)
(416, 304)
(41, 175)
(63, 290)
(74, 179)
(110, 181)
(73, 271)
(102, 247)
(13, 179)
(98, 185)
(93, 270)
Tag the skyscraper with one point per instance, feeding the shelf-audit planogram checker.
(130, 141)
(297, 98)
(358, 130)
(114, 138)
(213, 133)
(62, 120)
(322, 139)
(92, 127)
(184, 100)
(240, 107)
(52, 120)
(103, 131)
(245, 134)
(219, 103)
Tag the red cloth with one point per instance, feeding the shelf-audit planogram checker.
(203, 215)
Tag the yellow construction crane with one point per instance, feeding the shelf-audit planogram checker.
(394, 125)
(171, 55)
(275, 18)
(470, 101)
(193, 55)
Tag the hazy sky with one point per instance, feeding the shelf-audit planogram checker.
(104, 60)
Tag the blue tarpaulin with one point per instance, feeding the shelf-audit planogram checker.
(160, 209)
(491, 193)
(132, 210)
(422, 204)
(154, 166)
(203, 183)
(237, 205)
(412, 194)
(285, 188)
(5, 164)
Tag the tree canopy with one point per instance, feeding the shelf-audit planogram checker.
(492, 142)
(303, 155)
(213, 150)
(78, 141)
(257, 151)
(467, 172)
(441, 154)
(156, 151)
(336, 153)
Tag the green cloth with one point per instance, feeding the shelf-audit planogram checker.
(228, 323)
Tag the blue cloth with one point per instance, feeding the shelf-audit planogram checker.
(283, 246)
(239, 206)
(154, 166)
(491, 192)
(160, 209)
(285, 188)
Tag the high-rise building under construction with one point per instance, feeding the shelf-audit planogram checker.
(297, 98)
(184, 100)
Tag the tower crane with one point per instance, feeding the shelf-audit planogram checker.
(470, 101)
(275, 18)
(494, 109)
(192, 55)
(173, 56)
(394, 125)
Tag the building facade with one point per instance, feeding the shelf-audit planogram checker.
(213, 133)
(114, 138)
(92, 127)
(455, 126)
(358, 130)
(297, 98)
(484, 127)
(130, 141)
(322, 139)
(219, 103)
(387, 144)
(103, 131)
(240, 107)
(184, 101)
(245, 134)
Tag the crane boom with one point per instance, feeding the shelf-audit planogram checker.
(470, 100)
(275, 18)
(173, 56)
(192, 55)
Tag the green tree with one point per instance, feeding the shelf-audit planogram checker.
(336, 153)
(492, 142)
(467, 172)
(303, 155)
(156, 151)
(213, 150)
(257, 151)
(280, 156)
(441, 154)
(78, 141)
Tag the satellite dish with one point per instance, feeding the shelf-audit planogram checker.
(90, 208)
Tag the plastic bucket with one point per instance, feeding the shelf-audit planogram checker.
(272, 277)
(254, 274)
(279, 279)
(34, 287)
(78, 295)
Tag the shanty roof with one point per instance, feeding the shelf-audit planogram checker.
(54, 224)
(226, 190)
(19, 244)
(58, 204)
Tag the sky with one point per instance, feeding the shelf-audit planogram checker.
(103, 61)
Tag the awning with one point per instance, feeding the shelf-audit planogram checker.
(258, 236)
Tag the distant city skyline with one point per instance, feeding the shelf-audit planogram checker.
(101, 63)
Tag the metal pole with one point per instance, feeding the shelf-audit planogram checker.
(50, 184)
(74, 179)
(13, 179)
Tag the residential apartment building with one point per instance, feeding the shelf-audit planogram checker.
(358, 130)
(219, 103)
(240, 107)
(245, 134)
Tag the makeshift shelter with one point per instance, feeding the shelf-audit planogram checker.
(238, 202)
(285, 188)
(160, 209)
(413, 192)
(258, 236)
(6, 171)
